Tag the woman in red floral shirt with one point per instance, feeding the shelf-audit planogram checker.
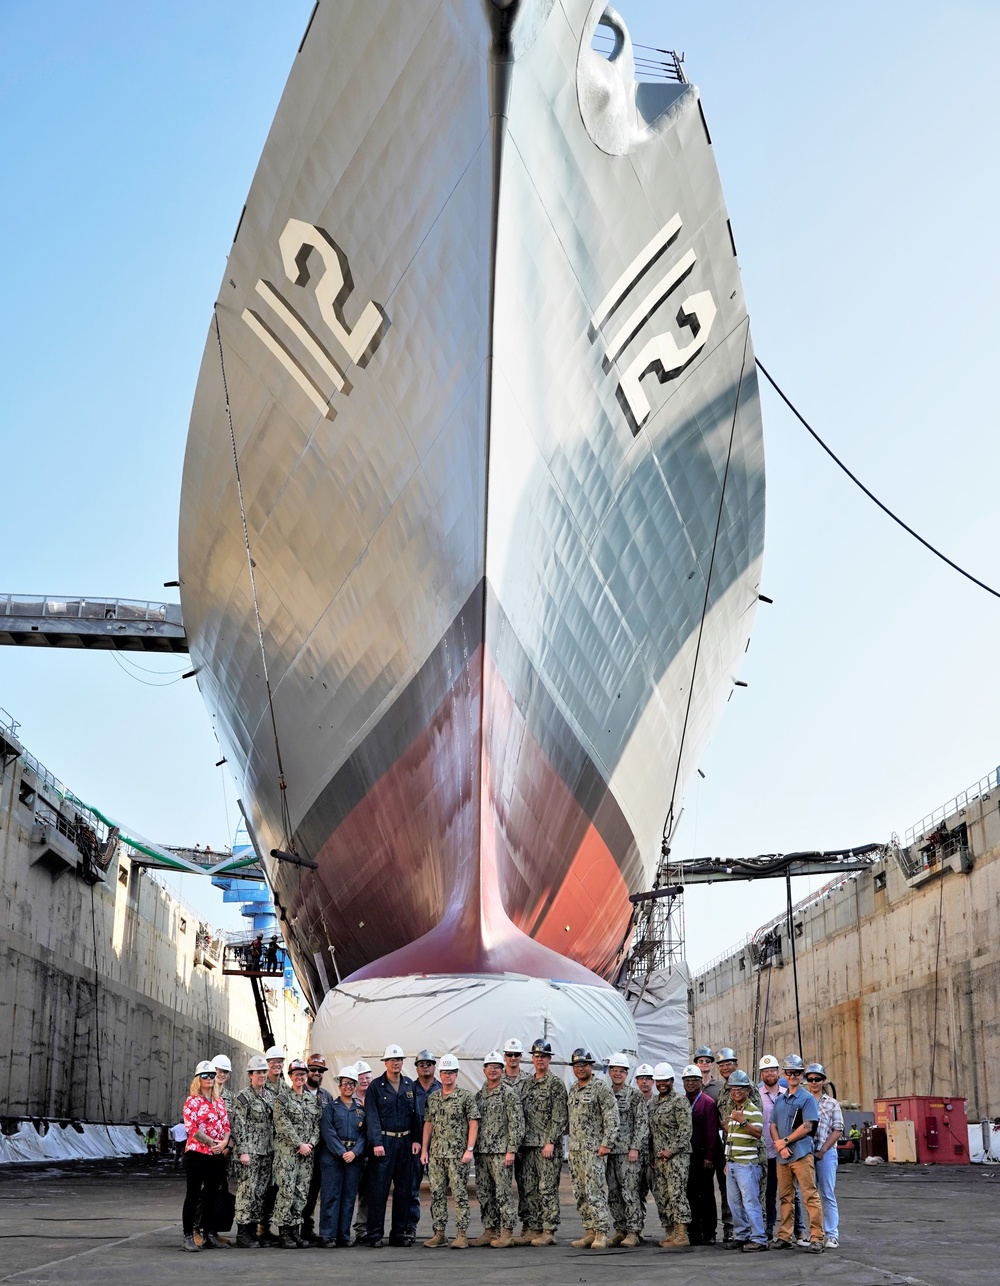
(207, 1124)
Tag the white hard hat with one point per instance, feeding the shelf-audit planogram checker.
(663, 1072)
(274, 1052)
(494, 1056)
(203, 1067)
(644, 1069)
(768, 1060)
(392, 1051)
(692, 1069)
(618, 1060)
(221, 1063)
(348, 1073)
(448, 1063)
(361, 1067)
(258, 1063)
(513, 1046)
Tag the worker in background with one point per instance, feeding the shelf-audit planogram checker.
(253, 1149)
(152, 1138)
(854, 1134)
(449, 1135)
(627, 1155)
(425, 1084)
(705, 1149)
(829, 1129)
(501, 1131)
(316, 1065)
(391, 1129)
(770, 1090)
(296, 1133)
(543, 1101)
(743, 1124)
(593, 1125)
(670, 1126)
(342, 1147)
(713, 1087)
(644, 1084)
(793, 1121)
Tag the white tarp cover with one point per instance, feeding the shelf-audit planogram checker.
(61, 1142)
(977, 1153)
(469, 1015)
(661, 1016)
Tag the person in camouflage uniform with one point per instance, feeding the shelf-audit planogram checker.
(517, 1077)
(252, 1138)
(644, 1084)
(670, 1126)
(628, 1154)
(296, 1133)
(543, 1100)
(274, 1086)
(501, 1129)
(451, 1123)
(593, 1125)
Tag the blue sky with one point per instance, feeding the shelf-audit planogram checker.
(857, 149)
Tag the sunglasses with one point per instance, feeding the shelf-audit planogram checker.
(815, 1080)
(207, 1076)
(797, 1075)
(512, 1055)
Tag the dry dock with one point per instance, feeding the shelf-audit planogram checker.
(120, 1222)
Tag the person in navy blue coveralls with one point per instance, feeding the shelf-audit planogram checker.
(342, 1143)
(392, 1129)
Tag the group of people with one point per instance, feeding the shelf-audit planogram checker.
(293, 1147)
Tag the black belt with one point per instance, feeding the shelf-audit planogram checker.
(396, 1134)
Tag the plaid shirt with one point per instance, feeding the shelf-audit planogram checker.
(830, 1118)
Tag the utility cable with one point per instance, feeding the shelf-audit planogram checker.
(870, 494)
(282, 787)
(147, 683)
(124, 656)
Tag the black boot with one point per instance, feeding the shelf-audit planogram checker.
(286, 1240)
(302, 1242)
(190, 1243)
(212, 1242)
(245, 1239)
(266, 1237)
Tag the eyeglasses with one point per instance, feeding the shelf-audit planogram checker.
(815, 1080)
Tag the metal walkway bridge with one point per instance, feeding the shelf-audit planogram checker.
(101, 624)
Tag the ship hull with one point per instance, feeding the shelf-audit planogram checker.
(505, 534)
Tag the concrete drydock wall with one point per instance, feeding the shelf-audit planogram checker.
(899, 979)
(104, 1011)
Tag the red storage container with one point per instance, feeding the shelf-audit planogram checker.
(939, 1123)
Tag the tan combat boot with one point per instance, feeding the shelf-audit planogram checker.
(505, 1239)
(630, 1241)
(527, 1236)
(438, 1239)
(600, 1242)
(545, 1238)
(461, 1242)
(486, 1237)
(584, 1242)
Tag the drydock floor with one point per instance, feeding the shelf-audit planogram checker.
(119, 1222)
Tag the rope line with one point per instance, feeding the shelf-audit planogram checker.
(282, 787)
(870, 494)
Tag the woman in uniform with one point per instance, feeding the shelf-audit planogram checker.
(253, 1148)
(342, 1144)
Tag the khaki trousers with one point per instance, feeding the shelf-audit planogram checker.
(803, 1173)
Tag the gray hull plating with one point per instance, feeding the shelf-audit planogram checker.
(493, 393)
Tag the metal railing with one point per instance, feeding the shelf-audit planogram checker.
(8, 723)
(981, 790)
(76, 609)
(651, 62)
